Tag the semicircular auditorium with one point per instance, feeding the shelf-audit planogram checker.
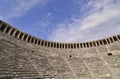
(23, 56)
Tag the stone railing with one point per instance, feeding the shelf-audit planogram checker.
(8, 29)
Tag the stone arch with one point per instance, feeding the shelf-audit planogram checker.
(72, 46)
(3, 27)
(108, 40)
(81, 45)
(12, 32)
(115, 38)
(21, 35)
(16, 33)
(8, 29)
(25, 37)
(111, 40)
(118, 37)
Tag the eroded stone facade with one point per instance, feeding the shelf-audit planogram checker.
(25, 57)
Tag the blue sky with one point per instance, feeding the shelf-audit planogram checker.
(63, 20)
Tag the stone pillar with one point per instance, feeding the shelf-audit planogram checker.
(81, 45)
(27, 38)
(19, 35)
(86, 44)
(76, 45)
(44, 43)
(4, 31)
(117, 37)
(23, 36)
(58, 45)
(14, 33)
(10, 31)
(40, 41)
(89, 44)
(107, 41)
(94, 43)
(73, 45)
(34, 39)
(99, 42)
(63, 45)
(69, 45)
(1, 25)
(37, 41)
(31, 39)
(112, 40)
(50, 44)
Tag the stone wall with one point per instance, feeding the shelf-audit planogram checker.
(6, 28)
(24, 58)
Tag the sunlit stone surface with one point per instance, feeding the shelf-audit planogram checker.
(22, 57)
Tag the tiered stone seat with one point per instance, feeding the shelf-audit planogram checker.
(97, 67)
(4, 69)
(79, 68)
(35, 59)
(15, 65)
(61, 67)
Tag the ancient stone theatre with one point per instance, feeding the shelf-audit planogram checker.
(23, 56)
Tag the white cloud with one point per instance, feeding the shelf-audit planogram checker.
(49, 14)
(96, 19)
(0, 17)
(18, 8)
(101, 21)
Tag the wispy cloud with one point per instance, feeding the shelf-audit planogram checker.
(1, 17)
(18, 8)
(98, 22)
(49, 14)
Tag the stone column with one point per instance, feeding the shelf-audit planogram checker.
(76, 45)
(99, 42)
(34, 39)
(89, 44)
(50, 44)
(112, 39)
(117, 37)
(1, 25)
(81, 45)
(31, 39)
(47, 43)
(43, 43)
(40, 42)
(4, 31)
(14, 33)
(107, 41)
(10, 31)
(69, 45)
(19, 35)
(27, 38)
(58, 45)
(63, 45)
(23, 36)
